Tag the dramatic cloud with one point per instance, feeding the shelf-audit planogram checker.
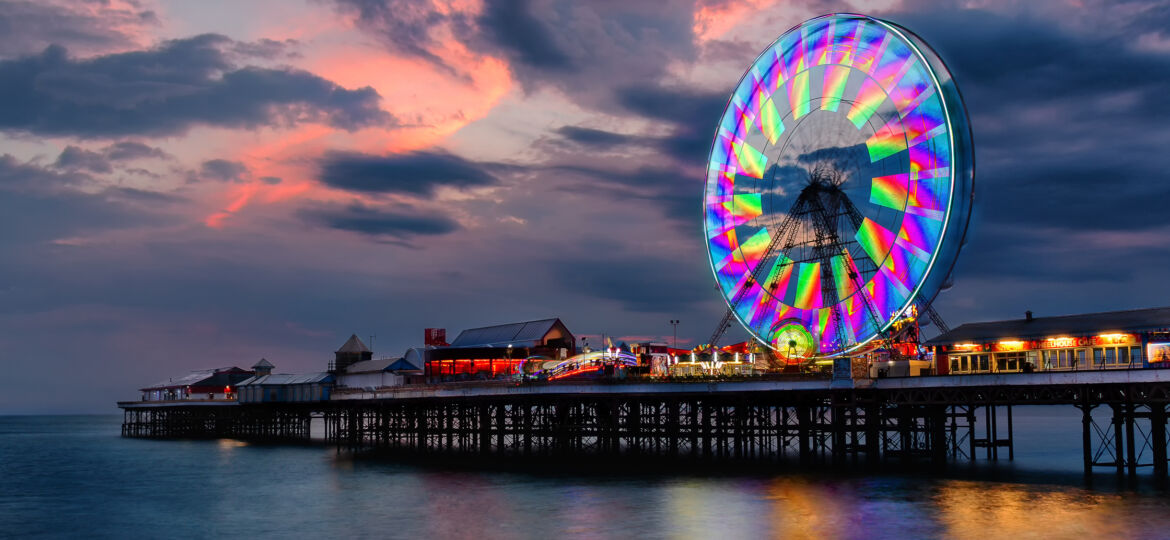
(415, 173)
(168, 89)
(380, 223)
(513, 27)
(75, 158)
(132, 150)
(27, 27)
(406, 26)
(583, 49)
(38, 205)
(594, 138)
(268, 49)
(690, 113)
(224, 170)
(637, 282)
(674, 194)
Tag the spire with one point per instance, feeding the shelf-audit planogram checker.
(353, 345)
(263, 367)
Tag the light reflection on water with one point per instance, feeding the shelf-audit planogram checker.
(69, 477)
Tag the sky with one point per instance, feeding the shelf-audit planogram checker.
(187, 185)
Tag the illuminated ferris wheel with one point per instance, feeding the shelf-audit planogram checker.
(838, 187)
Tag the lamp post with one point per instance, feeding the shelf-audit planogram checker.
(674, 323)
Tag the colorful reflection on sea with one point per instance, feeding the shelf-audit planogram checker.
(75, 477)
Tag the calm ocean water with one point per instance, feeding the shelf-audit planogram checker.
(73, 477)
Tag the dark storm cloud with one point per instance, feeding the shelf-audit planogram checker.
(594, 138)
(20, 176)
(1068, 119)
(1024, 56)
(585, 49)
(1078, 196)
(132, 150)
(676, 105)
(39, 204)
(1068, 124)
(378, 222)
(690, 114)
(74, 158)
(133, 195)
(269, 49)
(672, 192)
(643, 282)
(1031, 83)
(1047, 256)
(223, 170)
(28, 27)
(415, 173)
(404, 26)
(168, 89)
(513, 27)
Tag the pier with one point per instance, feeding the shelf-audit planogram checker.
(933, 419)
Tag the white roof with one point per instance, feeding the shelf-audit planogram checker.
(287, 378)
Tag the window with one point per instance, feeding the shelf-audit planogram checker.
(1116, 357)
(1013, 361)
(1060, 358)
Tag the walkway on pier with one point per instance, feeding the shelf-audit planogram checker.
(796, 383)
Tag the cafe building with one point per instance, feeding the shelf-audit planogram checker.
(1130, 339)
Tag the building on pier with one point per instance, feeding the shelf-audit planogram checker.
(494, 352)
(286, 388)
(1110, 340)
(383, 373)
(203, 384)
(351, 352)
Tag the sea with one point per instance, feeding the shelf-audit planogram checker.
(76, 477)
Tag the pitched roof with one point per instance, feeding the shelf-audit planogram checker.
(368, 366)
(287, 378)
(1134, 320)
(200, 377)
(403, 364)
(353, 345)
(263, 363)
(504, 334)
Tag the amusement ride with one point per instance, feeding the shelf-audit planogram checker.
(839, 188)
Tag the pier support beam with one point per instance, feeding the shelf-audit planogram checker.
(1158, 440)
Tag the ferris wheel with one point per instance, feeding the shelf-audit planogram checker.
(839, 186)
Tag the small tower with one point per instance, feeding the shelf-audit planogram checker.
(263, 367)
(352, 352)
